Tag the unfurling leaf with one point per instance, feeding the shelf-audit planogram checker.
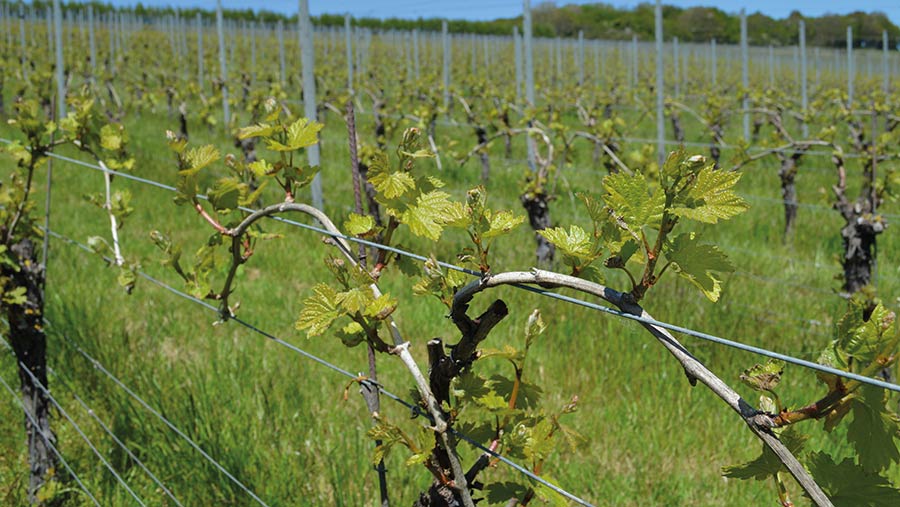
(533, 327)
(226, 194)
(198, 158)
(502, 222)
(764, 377)
(261, 168)
(111, 137)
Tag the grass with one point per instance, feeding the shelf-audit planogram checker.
(281, 424)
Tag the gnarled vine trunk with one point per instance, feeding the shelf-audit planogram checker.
(677, 128)
(537, 206)
(859, 235)
(481, 134)
(26, 334)
(788, 174)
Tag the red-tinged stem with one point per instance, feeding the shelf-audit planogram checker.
(212, 221)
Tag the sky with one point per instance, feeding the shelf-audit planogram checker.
(490, 9)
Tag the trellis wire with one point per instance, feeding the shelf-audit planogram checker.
(305, 354)
(576, 301)
(119, 479)
(579, 302)
(47, 441)
(93, 414)
(99, 366)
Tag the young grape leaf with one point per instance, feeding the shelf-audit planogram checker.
(711, 197)
(351, 335)
(359, 225)
(355, 300)
(300, 134)
(697, 262)
(549, 496)
(15, 296)
(319, 310)
(261, 168)
(864, 340)
(575, 242)
(502, 222)
(873, 429)
(198, 158)
(258, 130)
(767, 464)
(502, 492)
(764, 377)
(111, 137)
(629, 197)
(392, 184)
(426, 217)
(224, 196)
(381, 307)
(849, 485)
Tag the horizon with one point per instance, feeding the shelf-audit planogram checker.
(480, 10)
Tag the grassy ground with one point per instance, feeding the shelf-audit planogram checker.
(280, 423)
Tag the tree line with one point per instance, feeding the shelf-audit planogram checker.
(597, 21)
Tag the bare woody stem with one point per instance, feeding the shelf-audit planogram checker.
(605, 146)
(113, 223)
(760, 424)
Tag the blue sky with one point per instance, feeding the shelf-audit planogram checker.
(489, 9)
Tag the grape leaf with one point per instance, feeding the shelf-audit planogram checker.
(261, 168)
(575, 242)
(849, 485)
(864, 340)
(697, 262)
(355, 299)
(224, 196)
(352, 334)
(319, 310)
(502, 492)
(764, 377)
(502, 222)
(630, 199)
(300, 134)
(111, 137)
(258, 130)
(359, 225)
(549, 496)
(426, 217)
(392, 185)
(711, 197)
(767, 464)
(198, 158)
(873, 429)
(381, 307)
